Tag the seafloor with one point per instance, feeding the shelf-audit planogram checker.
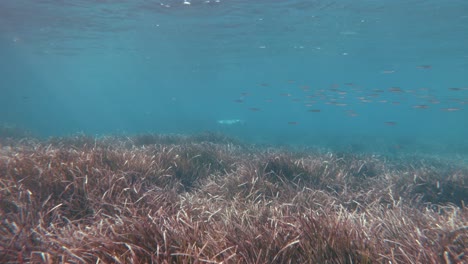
(210, 199)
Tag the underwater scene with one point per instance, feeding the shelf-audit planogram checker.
(233, 131)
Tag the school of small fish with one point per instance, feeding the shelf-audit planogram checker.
(349, 94)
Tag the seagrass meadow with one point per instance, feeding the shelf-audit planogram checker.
(211, 199)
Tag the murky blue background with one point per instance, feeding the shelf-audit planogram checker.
(107, 67)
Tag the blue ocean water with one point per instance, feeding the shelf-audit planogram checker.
(347, 74)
